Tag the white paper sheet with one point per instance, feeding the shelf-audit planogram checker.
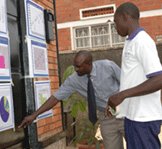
(35, 20)
(42, 93)
(38, 60)
(3, 17)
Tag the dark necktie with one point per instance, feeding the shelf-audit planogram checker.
(91, 102)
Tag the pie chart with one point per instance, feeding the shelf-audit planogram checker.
(4, 108)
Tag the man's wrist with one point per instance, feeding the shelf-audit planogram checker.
(124, 94)
(35, 114)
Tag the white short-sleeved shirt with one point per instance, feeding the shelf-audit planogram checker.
(139, 62)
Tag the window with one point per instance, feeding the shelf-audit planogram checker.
(104, 35)
(116, 39)
(82, 37)
(95, 12)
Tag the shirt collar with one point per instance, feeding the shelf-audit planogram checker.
(133, 34)
(93, 72)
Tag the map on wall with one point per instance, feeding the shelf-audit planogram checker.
(38, 58)
(35, 20)
(4, 59)
(3, 17)
(42, 93)
(6, 107)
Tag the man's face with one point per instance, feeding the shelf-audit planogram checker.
(121, 24)
(80, 66)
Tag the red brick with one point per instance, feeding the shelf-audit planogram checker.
(44, 125)
(64, 39)
(57, 111)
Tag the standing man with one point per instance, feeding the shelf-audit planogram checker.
(104, 75)
(141, 80)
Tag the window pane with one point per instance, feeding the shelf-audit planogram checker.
(82, 42)
(103, 35)
(100, 36)
(100, 41)
(116, 39)
(99, 30)
(82, 38)
(81, 32)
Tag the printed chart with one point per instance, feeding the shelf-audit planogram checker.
(42, 93)
(38, 61)
(4, 59)
(35, 20)
(6, 107)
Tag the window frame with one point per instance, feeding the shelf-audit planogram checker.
(90, 36)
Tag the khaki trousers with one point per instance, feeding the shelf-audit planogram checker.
(112, 131)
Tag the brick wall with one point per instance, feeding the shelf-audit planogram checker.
(51, 125)
(68, 11)
(143, 5)
(152, 25)
(64, 39)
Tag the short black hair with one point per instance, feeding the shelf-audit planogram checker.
(87, 55)
(130, 9)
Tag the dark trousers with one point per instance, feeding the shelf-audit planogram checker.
(142, 135)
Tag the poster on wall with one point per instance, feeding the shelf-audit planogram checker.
(38, 60)
(3, 17)
(4, 59)
(42, 91)
(35, 20)
(6, 107)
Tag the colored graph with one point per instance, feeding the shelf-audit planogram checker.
(4, 109)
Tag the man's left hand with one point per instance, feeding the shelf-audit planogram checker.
(115, 100)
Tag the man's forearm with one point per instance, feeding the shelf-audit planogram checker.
(151, 85)
(50, 103)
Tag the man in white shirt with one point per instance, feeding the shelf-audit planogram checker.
(141, 80)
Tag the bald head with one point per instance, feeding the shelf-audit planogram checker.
(83, 62)
(129, 9)
(84, 56)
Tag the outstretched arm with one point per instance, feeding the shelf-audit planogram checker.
(52, 101)
(151, 85)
